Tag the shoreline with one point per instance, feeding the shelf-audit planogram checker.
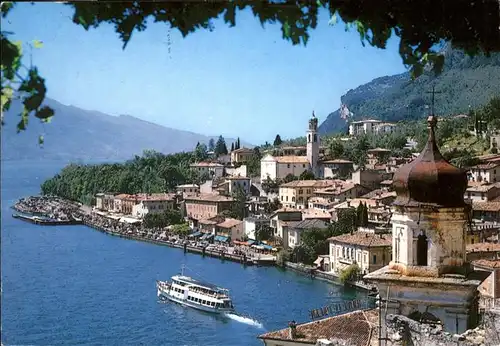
(51, 204)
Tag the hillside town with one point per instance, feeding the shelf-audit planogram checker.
(416, 224)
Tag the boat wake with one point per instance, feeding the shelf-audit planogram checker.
(245, 320)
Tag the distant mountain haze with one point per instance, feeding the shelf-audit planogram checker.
(78, 134)
(464, 81)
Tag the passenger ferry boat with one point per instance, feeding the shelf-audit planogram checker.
(196, 294)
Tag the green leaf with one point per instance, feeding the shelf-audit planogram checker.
(5, 98)
(333, 19)
(21, 125)
(44, 113)
(37, 44)
(286, 30)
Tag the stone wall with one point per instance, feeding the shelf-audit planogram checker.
(404, 331)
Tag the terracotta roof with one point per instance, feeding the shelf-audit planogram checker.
(339, 187)
(489, 165)
(287, 210)
(209, 197)
(316, 214)
(363, 239)
(229, 223)
(156, 197)
(489, 157)
(309, 183)
(379, 194)
(355, 202)
(356, 328)
(242, 150)
(489, 264)
(320, 200)
(481, 187)
(123, 196)
(310, 223)
(483, 247)
(486, 206)
(291, 159)
(207, 222)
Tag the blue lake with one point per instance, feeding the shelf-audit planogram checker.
(73, 285)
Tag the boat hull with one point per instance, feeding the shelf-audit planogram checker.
(165, 296)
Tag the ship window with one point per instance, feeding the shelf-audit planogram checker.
(212, 303)
(204, 302)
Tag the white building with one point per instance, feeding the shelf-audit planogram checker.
(236, 183)
(252, 224)
(214, 170)
(278, 167)
(363, 127)
(384, 128)
(486, 172)
(369, 251)
(430, 220)
(153, 204)
(296, 228)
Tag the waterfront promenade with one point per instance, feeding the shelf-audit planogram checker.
(46, 206)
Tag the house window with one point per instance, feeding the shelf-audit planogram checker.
(288, 166)
(374, 259)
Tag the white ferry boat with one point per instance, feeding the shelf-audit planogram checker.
(196, 294)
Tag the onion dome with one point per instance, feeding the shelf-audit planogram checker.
(430, 179)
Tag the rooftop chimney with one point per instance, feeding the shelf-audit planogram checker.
(292, 330)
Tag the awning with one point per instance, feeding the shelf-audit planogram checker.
(318, 261)
(195, 234)
(267, 247)
(250, 242)
(221, 238)
(206, 236)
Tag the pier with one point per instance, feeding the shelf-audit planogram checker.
(39, 220)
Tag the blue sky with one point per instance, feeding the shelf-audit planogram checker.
(243, 81)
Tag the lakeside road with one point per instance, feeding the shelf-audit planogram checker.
(49, 206)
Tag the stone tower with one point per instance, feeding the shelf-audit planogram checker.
(428, 277)
(312, 138)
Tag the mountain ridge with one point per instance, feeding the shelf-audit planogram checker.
(76, 134)
(464, 81)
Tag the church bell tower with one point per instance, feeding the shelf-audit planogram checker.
(312, 138)
(428, 277)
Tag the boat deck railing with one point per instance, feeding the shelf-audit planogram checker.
(208, 293)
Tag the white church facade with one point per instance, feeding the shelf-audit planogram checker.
(278, 167)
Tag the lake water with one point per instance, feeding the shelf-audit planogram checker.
(73, 285)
